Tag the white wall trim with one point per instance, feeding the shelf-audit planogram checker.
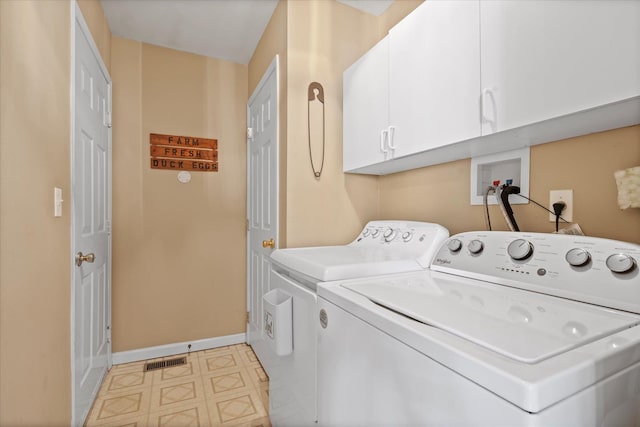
(176, 348)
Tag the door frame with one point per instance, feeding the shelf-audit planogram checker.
(273, 68)
(77, 17)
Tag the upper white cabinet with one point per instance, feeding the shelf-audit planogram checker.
(365, 109)
(417, 88)
(458, 79)
(544, 59)
(434, 83)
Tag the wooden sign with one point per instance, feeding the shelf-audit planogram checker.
(183, 141)
(183, 153)
(184, 165)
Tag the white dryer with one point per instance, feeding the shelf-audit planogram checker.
(383, 247)
(505, 329)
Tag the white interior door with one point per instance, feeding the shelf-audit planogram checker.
(262, 198)
(91, 219)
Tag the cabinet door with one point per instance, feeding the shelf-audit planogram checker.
(434, 63)
(365, 106)
(543, 59)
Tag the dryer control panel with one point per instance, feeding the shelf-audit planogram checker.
(403, 239)
(589, 269)
(413, 233)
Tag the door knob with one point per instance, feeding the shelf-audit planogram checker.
(269, 243)
(82, 258)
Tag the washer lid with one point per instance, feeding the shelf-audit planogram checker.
(520, 325)
(325, 263)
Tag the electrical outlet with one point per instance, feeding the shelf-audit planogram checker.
(565, 196)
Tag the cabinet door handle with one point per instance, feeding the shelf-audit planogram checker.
(392, 132)
(383, 137)
(487, 96)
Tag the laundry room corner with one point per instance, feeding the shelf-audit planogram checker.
(303, 213)
(316, 41)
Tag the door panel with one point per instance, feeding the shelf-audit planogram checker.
(91, 215)
(365, 109)
(262, 199)
(543, 59)
(434, 84)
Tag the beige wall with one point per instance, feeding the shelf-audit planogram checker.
(394, 14)
(35, 274)
(323, 39)
(273, 42)
(178, 249)
(97, 23)
(585, 164)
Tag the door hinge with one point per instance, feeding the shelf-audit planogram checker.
(106, 113)
(248, 316)
(249, 134)
(107, 118)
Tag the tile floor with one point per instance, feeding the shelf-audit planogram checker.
(222, 386)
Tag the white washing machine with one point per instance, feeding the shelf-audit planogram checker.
(505, 329)
(383, 247)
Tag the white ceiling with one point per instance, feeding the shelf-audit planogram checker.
(374, 7)
(224, 29)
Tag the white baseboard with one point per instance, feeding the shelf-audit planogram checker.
(177, 348)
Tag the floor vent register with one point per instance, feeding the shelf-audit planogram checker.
(160, 364)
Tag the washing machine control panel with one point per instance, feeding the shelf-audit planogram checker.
(588, 269)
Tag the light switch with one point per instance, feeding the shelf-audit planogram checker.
(57, 202)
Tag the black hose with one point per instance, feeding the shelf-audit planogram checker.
(504, 197)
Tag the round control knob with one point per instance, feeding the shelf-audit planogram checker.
(520, 249)
(366, 232)
(407, 236)
(475, 246)
(389, 234)
(454, 245)
(375, 232)
(577, 257)
(621, 263)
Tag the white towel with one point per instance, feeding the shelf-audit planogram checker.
(628, 181)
